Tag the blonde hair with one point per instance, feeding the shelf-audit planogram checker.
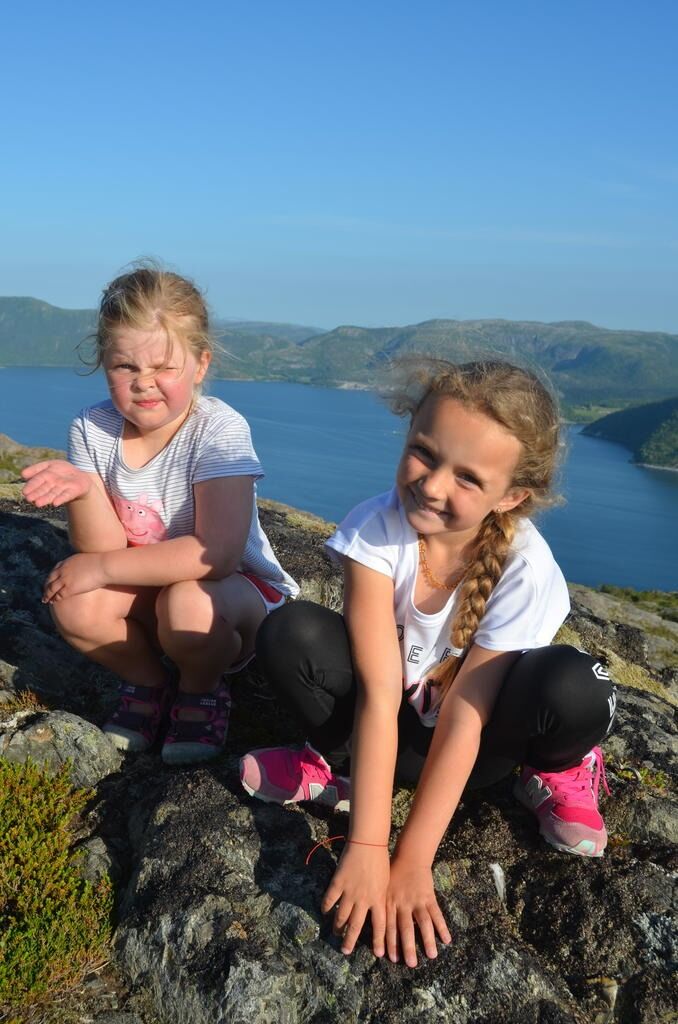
(518, 400)
(147, 298)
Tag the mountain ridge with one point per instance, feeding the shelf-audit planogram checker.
(589, 365)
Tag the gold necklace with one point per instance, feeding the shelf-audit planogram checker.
(428, 575)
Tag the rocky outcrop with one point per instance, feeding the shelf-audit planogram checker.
(217, 915)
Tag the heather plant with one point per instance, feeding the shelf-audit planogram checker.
(54, 925)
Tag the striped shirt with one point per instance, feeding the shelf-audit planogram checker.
(156, 502)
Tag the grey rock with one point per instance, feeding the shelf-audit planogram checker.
(641, 816)
(644, 731)
(218, 918)
(242, 937)
(53, 738)
(97, 862)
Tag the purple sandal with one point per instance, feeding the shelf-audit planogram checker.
(188, 742)
(127, 727)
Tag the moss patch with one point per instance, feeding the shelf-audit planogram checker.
(628, 674)
(297, 518)
(567, 635)
(657, 780)
(54, 926)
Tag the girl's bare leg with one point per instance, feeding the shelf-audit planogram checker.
(115, 627)
(205, 626)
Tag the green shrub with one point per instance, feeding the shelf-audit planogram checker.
(54, 925)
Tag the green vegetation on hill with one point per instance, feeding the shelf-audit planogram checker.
(650, 431)
(592, 368)
(287, 332)
(587, 364)
(33, 333)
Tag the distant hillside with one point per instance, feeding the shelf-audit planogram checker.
(288, 332)
(590, 366)
(34, 333)
(650, 431)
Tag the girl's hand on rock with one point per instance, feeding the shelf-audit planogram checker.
(357, 889)
(411, 900)
(75, 575)
(55, 482)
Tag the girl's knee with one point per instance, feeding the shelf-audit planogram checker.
(569, 683)
(83, 616)
(298, 627)
(180, 600)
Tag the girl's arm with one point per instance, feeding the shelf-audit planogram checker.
(223, 512)
(360, 882)
(465, 710)
(92, 521)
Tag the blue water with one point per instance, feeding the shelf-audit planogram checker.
(325, 450)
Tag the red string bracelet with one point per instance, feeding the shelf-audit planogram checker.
(325, 843)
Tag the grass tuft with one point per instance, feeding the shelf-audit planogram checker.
(23, 701)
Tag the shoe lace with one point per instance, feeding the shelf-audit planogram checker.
(313, 771)
(568, 786)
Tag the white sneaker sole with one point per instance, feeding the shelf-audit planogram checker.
(127, 740)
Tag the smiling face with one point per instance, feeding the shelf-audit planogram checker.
(456, 467)
(152, 383)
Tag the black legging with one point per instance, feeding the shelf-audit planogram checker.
(554, 705)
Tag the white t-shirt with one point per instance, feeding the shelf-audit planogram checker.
(525, 609)
(156, 502)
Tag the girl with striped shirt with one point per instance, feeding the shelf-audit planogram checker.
(160, 491)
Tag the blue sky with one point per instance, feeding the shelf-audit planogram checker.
(325, 163)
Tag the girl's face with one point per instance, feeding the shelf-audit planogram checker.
(457, 465)
(152, 385)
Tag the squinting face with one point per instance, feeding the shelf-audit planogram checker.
(456, 467)
(150, 385)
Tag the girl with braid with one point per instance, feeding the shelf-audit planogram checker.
(439, 672)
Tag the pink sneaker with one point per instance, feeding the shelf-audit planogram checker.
(286, 775)
(566, 804)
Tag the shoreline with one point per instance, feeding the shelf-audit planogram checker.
(649, 465)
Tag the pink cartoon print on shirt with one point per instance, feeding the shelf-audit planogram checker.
(141, 520)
